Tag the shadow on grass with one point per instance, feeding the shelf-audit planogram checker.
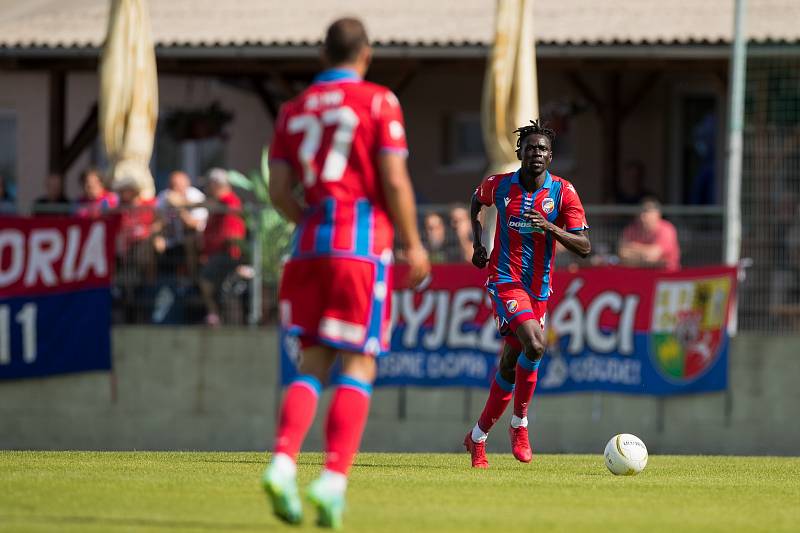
(413, 466)
(234, 461)
(319, 462)
(129, 522)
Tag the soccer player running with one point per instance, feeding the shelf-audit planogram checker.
(343, 139)
(534, 210)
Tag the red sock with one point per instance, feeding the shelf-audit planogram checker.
(347, 417)
(499, 396)
(297, 413)
(527, 372)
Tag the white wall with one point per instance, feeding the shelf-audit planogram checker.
(435, 91)
(27, 94)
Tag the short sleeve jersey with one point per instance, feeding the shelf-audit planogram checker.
(521, 254)
(331, 136)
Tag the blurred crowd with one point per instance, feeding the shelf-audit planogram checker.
(451, 241)
(647, 241)
(179, 255)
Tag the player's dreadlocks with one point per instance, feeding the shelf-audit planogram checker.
(538, 127)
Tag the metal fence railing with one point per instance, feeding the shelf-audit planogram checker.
(168, 273)
(157, 285)
(699, 228)
(770, 298)
(161, 279)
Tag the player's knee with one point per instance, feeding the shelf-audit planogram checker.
(533, 348)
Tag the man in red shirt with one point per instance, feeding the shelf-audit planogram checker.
(343, 139)
(221, 240)
(650, 241)
(135, 253)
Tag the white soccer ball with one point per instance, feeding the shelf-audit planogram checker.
(626, 455)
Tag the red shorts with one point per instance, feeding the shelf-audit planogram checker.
(344, 303)
(513, 305)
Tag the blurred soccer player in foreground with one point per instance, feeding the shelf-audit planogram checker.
(535, 209)
(344, 140)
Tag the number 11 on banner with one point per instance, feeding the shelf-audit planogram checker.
(26, 318)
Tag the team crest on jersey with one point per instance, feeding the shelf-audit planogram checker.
(511, 305)
(548, 205)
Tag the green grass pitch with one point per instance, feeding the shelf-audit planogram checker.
(183, 491)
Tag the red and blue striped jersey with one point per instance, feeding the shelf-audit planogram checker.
(331, 135)
(522, 254)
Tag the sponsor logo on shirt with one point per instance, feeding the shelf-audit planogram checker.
(522, 226)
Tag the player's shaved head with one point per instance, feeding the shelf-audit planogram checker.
(344, 40)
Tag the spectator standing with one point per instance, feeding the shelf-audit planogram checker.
(435, 237)
(182, 219)
(96, 199)
(136, 265)
(221, 241)
(461, 225)
(650, 241)
(440, 248)
(54, 201)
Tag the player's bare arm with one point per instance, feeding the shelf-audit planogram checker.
(479, 256)
(281, 181)
(576, 242)
(403, 209)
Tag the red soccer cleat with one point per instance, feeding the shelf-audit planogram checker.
(520, 445)
(477, 450)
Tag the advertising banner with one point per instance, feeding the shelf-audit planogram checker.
(55, 300)
(608, 329)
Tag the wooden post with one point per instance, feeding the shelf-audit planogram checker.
(58, 97)
(85, 136)
(613, 122)
(269, 102)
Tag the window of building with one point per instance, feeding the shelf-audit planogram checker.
(186, 139)
(8, 154)
(463, 142)
(697, 149)
(193, 156)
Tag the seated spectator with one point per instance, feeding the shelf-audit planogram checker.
(221, 241)
(459, 221)
(181, 222)
(440, 248)
(136, 265)
(7, 205)
(54, 201)
(96, 199)
(650, 241)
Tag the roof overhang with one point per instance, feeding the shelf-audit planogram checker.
(455, 52)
